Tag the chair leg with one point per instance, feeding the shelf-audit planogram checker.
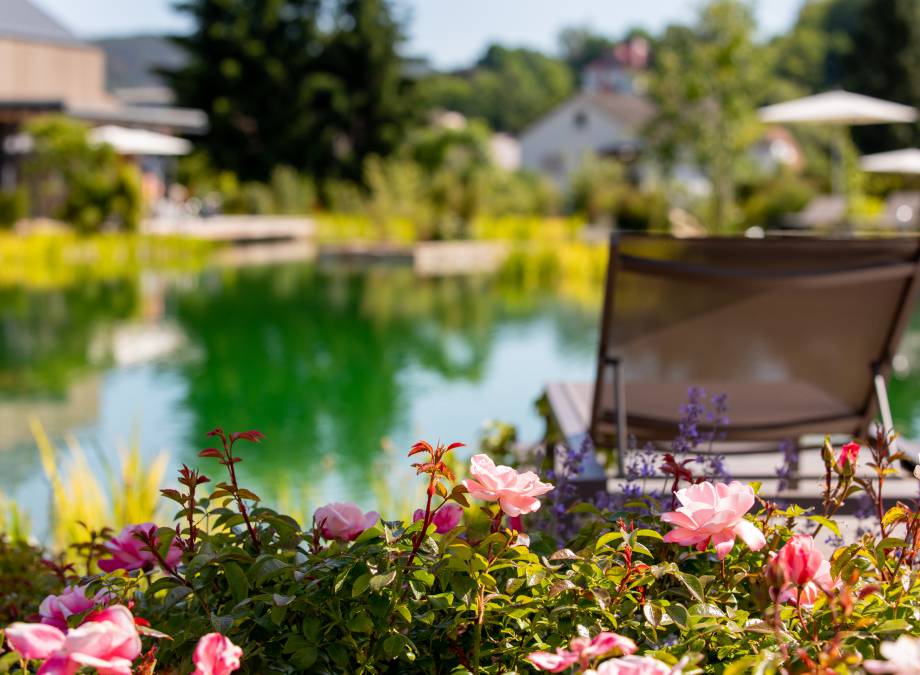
(884, 407)
(620, 402)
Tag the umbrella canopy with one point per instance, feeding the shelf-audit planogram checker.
(140, 141)
(837, 107)
(898, 161)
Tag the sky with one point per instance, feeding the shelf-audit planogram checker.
(450, 33)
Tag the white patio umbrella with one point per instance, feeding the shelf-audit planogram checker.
(127, 141)
(905, 161)
(840, 109)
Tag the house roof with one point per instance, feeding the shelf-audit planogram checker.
(628, 109)
(23, 20)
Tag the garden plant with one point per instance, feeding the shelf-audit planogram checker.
(502, 572)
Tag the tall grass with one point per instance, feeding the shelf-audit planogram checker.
(125, 493)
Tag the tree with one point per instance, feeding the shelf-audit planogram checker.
(581, 46)
(508, 88)
(885, 62)
(81, 183)
(811, 56)
(706, 81)
(312, 84)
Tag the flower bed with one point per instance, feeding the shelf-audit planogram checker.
(708, 577)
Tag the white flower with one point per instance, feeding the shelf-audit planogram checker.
(902, 657)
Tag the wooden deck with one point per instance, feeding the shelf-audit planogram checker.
(233, 229)
(570, 410)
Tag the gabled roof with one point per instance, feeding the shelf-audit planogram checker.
(629, 110)
(23, 20)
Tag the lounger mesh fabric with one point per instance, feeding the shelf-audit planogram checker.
(791, 330)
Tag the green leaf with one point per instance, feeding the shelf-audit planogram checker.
(360, 584)
(895, 514)
(890, 542)
(236, 579)
(222, 624)
(360, 623)
(653, 614)
(826, 522)
(605, 539)
(426, 578)
(176, 595)
(395, 646)
(679, 615)
(693, 585)
(380, 581)
(264, 567)
(304, 657)
(893, 626)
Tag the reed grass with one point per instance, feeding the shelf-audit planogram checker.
(125, 493)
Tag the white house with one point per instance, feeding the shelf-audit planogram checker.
(600, 123)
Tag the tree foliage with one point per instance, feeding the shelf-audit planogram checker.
(885, 62)
(707, 82)
(508, 88)
(312, 84)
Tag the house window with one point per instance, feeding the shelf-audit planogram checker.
(552, 163)
(581, 119)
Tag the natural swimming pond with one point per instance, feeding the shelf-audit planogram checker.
(342, 367)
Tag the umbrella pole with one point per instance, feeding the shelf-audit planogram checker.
(839, 170)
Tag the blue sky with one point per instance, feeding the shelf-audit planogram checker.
(449, 32)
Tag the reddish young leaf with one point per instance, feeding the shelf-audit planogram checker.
(453, 446)
(421, 446)
(252, 436)
(211, 452)
(215, 432)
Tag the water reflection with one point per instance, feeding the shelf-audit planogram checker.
(328, 362)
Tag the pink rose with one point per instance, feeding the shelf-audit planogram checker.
(582, 651)
(800, 565)
(849, 453)
(515, 492)
(343, 521)
(107, 641)
(714, 512)
(128, 552)
(445, 518)
(34, 640)
(634, 665)
(216, 655)
(56, 609)
(902, 657)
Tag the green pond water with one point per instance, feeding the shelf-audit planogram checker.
(342, 368)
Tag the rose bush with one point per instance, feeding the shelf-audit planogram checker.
(651, 585)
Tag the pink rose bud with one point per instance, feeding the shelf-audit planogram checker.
(216, 655)
(714, 513)
(804, 569)
(445, 519)
(848, 455)
(515, 492)
(130, 553)
(343, 521)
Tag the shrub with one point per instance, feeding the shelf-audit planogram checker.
(82, 184)
(704, 576)
(14, 206)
